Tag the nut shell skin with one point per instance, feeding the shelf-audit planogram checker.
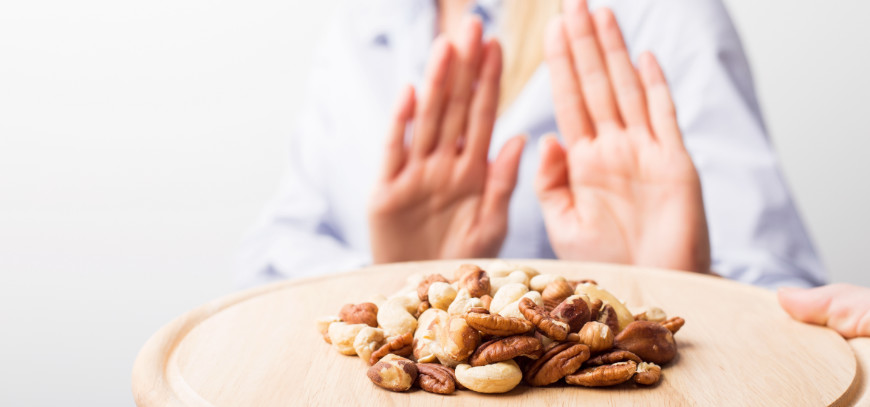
(399, 345)
(363, 313)
(494, 324)
(597, 336)
(572, 311)
(547, 325)
(605, 375)
(651, 341)
(393, 373)
(498, 377)
(559, 361)
(475, 280)
(435, 378)
(613, 357)
(499, 350)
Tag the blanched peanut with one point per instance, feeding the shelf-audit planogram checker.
(395, 317)
(441, 295)
(323, 323)
(367, 341)
(342, 336)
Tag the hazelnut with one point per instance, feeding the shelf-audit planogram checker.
(597, 336)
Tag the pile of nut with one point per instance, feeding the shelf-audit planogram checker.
(487, 331)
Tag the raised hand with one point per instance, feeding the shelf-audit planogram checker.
(842, 307)
(624, 188)
(440, 197)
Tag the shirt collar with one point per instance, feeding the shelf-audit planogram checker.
(386, 18)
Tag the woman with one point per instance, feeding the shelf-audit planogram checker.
(516, 205)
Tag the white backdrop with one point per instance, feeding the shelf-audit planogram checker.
(139, 140)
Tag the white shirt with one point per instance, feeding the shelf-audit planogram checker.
(317, 223)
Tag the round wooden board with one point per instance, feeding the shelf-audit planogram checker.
(260, 347)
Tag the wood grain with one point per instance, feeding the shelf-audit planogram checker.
(260, 348)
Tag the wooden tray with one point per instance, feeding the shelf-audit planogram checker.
(260, 348)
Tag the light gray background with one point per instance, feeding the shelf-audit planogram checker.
(138, 141)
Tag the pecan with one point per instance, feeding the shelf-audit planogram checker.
(422, 308)
(436, 378)
(556, 292)
(556, 330)
(575, 283)
(475, 280)
(494, 324)
(393, 373)
(595, 309)
(363, 313)
(650, 341)
(486, 300)
(561, 360)
(674, 324)
(613, 357)
(498, 350)
(597, 336)
(605, 375)
(647, 373)
(654, 314)
(572, 311)
(423, 287)
(401, 345)
(607, 316)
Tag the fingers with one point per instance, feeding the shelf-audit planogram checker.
(464, 72)
(809, 306)
(662, 115)
(590, 65)
(571, 115)
(842, 307)
(394, 157)
(623, 77)
(484, 105)
(551, 182)
(430, 108)
(502, 178)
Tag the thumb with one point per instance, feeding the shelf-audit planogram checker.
(807, 305)
(501, 177)
(551, 182)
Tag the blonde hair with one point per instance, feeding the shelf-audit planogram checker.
(522, 29)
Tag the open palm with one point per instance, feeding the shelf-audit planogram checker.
(624, 188)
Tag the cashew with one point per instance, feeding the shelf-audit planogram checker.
(506, 295)
(378, 299)
(441, 295)
(367, 341)
(501, 268)
(595, 292)
(408, 299)
(342, 336)
(463, 302)
(323, 325)
(539, 282)
(495, 283)
(495, 378)
(513, 309)
(395, 317)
